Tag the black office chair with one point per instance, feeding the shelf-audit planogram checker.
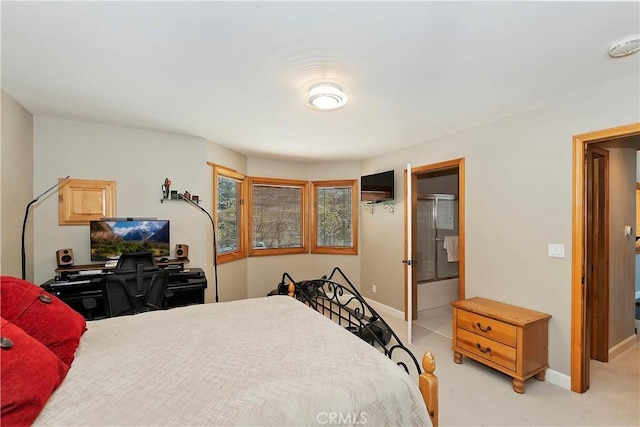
(131, 293)
(130, 262)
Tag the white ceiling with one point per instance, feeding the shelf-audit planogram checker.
(236, 73)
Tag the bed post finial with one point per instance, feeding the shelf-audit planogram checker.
(428, 384)
(292, 289)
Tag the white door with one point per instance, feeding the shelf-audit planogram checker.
(409, 251)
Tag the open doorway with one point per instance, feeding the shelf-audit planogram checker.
(588, 290)
(437, 236)
(637, 276)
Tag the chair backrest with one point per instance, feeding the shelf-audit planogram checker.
(128, 262)
(131, 293)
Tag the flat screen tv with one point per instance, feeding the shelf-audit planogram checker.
(377, 187)
(110, 239)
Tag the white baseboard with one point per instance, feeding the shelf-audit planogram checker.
(622, 346)
(564, 381)
(378, 306)
(558, 378)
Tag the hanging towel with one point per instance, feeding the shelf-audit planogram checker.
(451, 246)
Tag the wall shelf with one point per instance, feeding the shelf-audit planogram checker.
(389, 205)
(168, 199)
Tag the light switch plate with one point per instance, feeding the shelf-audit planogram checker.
(556, 250)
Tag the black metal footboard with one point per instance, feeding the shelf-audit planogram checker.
(342, 303)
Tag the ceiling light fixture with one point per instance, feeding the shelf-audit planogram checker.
(326, 96)
(625, 46)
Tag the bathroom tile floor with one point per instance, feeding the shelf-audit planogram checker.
(438, 320)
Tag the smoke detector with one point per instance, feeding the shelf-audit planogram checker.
(625, 46)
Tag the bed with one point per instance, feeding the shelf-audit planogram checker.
(261, 361)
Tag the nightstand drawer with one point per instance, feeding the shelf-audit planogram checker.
(487, 349)
(487, 327)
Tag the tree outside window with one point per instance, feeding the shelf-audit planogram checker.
(230, 216)
(334, 217)
(278, 216)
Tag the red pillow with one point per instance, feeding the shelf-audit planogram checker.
(30, 373)
(43, 316)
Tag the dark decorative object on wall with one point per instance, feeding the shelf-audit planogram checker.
(166, 188)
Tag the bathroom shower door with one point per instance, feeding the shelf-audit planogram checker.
(446, 226)
(437, 218)
(426, 252)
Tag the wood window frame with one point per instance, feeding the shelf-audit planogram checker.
(304, 220)
(335, 250)
(241, 252)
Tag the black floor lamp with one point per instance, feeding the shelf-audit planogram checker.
(215, 243)
(24, 223)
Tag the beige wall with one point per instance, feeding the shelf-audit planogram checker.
(138, 161)
(622, 189)
(16, 187)
(518, 199)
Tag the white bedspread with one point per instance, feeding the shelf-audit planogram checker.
(263, 361)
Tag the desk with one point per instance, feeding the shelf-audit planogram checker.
(64, 272)
(187, 286)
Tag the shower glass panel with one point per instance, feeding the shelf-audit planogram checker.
(437, 217)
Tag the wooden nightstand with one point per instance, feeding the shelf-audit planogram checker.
(510, 339)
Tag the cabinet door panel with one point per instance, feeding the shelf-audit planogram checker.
(81, 201)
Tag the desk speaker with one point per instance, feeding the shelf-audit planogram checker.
(182, 251)
(64, 257)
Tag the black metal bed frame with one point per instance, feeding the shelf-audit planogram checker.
(342, 303)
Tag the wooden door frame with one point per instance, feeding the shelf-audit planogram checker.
(579, 381)
(599, 291)
(420, 170)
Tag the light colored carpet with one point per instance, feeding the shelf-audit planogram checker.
(473, 395)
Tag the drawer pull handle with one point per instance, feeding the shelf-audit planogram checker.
(487, 329)
(486, 350)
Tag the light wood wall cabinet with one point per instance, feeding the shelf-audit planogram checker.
(510, 339)
(83, 200)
